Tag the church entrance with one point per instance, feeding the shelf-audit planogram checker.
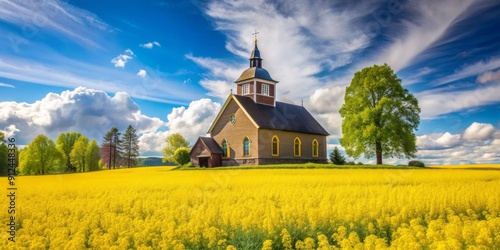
(203, 161)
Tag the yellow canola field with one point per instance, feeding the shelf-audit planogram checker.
(154, 208)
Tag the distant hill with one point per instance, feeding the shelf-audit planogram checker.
(154, 161)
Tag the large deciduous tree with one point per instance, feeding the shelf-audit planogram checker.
(130, 144)
(41, 157)
(379, 116)
(65, 142)
(92, 156)
(174, 142)
(78, 157)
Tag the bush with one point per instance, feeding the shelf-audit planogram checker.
(181, 156)
(416, 164)
(350, 163)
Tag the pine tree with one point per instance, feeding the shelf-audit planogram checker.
(130, 146)
(107, 149)
(336, 158)
(111, 147)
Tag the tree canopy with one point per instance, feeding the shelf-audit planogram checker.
(181, 156)
(379, 116)
(174, 142)
(41, 157)
(3, 155)
(65, 142)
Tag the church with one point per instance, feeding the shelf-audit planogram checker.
(253, 128)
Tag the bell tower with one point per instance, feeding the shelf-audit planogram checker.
(256, 82)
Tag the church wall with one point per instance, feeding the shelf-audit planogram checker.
(286, 149)
(265, 99)
(236, 133)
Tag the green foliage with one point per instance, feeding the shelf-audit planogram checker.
(416, 164)
(336, 158)
(41, 157)
(65, 142)
(174, 142)
(130, 146)
(92, 157)
(181, 156)
(3, 155)
(379, 116)
(78, 153)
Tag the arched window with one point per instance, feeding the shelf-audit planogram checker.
(226, 151)
(297, 147)
(275, 146)
(315, 148)
(246, 146)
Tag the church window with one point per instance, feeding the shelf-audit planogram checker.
(297, 147)
(232, 119)
(246, 146)
(265, 89)
(315, 148)
(225, 149)
(275, 145)
(246, 89)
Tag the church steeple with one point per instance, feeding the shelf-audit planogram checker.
(255, 82)
(255, 59)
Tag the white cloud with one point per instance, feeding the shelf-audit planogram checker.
(438, 141)
(478, 144)
(434, 103)
(142, 73)
(10, 131)
(489, 76)
(122, 59)
(479, 131)
(432, 20)
(91, 112)
(7, 85)
(194, 120)
(66, 20)
(150, 45)
(473, 70)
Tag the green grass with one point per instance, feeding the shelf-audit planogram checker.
(300, 166)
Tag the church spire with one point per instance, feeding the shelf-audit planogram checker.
(255, 60)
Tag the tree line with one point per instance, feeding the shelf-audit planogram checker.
(73, 152)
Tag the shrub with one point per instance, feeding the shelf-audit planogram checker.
(181, 156)
(416, 164)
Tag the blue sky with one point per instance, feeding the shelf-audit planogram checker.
(167, 66)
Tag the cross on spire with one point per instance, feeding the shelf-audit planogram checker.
(255, 35)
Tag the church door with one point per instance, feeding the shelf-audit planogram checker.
(203, 161)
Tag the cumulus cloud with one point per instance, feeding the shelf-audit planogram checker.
(438, 141)
(10, 131)
(190, 122)
(142, 73)
(91, 112)
(122, 59)
(477, 144)
(194, 120)
(150, 45)
(489, 76)
(479, 131)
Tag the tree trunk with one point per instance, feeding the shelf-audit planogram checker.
(378, 152)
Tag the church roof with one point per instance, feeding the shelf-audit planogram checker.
(211, 145)
(255, 72)
(285, 116)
